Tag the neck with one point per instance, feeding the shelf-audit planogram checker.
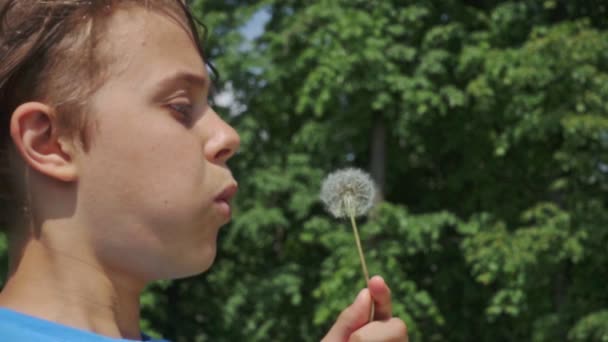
(67, 286)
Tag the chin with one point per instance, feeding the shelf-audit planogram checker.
(195, 265)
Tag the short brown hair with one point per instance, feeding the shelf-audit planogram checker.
(41, 59)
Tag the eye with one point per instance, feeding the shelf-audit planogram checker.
(182, 112)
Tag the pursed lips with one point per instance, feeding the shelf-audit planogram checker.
(223, 199)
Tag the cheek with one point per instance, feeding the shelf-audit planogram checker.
(157, 168)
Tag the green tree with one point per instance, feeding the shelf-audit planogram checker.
(485, 124)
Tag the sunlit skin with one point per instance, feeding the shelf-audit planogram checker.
(145, 200)
(142, 203)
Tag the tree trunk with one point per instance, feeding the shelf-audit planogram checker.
(378, 155)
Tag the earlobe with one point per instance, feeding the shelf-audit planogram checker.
(34, 133)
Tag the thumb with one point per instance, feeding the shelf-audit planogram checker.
(351, 319)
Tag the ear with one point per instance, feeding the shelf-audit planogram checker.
(34, 133)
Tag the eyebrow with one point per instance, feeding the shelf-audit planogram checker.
(196, 79)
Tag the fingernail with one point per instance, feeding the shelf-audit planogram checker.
(379, 277)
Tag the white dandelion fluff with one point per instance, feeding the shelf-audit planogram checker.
(348, 192)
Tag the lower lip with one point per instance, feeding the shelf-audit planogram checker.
(224, 208)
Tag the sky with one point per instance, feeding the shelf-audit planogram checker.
(255, 27)
(251, 30)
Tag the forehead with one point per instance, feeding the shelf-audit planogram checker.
(142, 44)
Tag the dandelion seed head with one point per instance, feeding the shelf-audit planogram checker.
(348, 191)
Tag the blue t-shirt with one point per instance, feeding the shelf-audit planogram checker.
(18, 327)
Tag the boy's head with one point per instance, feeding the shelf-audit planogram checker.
(53, 52)
(115, 150)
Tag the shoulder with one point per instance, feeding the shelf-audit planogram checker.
(18, 327)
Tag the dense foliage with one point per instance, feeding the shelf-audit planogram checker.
(485, 124)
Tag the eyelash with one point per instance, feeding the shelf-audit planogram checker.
(212, 90)
(183, 110)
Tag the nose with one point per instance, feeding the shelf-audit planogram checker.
(224, 142)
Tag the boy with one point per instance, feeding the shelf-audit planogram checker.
(119, 169)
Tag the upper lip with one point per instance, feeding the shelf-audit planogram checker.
(228, 193)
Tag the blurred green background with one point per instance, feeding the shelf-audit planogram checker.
(484, 123)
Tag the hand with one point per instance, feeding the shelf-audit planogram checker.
(352, 324)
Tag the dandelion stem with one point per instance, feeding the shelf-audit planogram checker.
(362, 260)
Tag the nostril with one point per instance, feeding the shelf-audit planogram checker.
(223, 154)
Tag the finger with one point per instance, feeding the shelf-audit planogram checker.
(381, 295)
(352, 318)
(392, 330)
